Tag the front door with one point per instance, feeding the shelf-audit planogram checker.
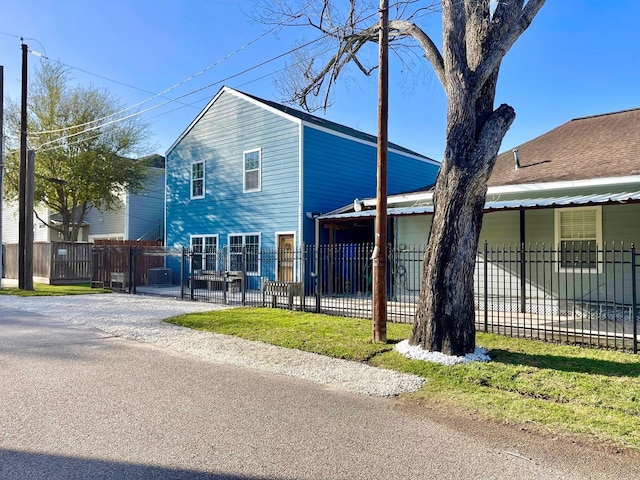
(286, 257)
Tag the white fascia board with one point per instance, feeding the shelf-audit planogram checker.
(300, 236)
(402, 198)
(196, 120)
(264, 106)
(366, 142)
(324, 129)
(564, 185)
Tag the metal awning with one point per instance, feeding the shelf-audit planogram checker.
(497, 205)
(567, 201)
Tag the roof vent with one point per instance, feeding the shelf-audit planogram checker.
(516, 157)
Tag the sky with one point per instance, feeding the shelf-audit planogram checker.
(578, 58)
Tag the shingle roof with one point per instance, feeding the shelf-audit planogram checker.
(599, 146)
(321, 122)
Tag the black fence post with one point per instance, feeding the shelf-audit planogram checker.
(243, 276)
(182, 258)
(131, 267)
(634, 298)
(486, 287)
(319, 268)
(302, 263)
(523, 282)
(192, 282)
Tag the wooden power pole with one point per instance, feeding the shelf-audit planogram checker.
(1, 165)
(22, 214)
(380, 250)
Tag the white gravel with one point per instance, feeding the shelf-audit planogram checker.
(418, 353)
(140, 318)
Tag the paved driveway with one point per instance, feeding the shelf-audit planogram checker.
(77, 402)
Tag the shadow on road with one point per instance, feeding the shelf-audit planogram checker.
(21, 465)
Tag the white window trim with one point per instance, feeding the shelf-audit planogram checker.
(204, 184)
(244, 237)
(244, 171)
(558, 240)
(203, 236)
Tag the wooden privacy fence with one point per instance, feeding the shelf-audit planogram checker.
(112, 263)
(54, 263)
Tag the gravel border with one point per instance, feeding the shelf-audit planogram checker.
(139, 318)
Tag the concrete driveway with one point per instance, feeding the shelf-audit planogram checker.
(79, 403)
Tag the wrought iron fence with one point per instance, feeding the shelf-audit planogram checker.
(573, 293)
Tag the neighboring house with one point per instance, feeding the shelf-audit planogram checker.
(573, 189)
(139, 216)
(250, 173)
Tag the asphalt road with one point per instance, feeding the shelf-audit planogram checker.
(76, 403)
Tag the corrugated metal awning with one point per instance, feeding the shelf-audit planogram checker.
(495, 205)
(575, 200)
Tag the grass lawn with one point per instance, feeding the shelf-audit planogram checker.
(558, 388)
(43, 289)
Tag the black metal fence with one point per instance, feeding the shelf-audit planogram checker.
(573, 293)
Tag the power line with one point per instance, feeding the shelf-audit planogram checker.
(117, 120)
(173, 87)
(127, 117)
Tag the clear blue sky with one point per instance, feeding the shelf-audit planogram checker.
(578, 58)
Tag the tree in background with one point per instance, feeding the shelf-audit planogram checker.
(81, 149)
(476, 35)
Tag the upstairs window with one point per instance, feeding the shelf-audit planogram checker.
(252, 171)
(578, 236)
(197, 180)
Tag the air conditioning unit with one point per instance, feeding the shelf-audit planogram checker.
(160, 276)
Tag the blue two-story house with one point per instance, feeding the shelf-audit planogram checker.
(251, 173)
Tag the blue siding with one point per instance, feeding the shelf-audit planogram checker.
(231, 126)
(337, 170)
(146, 208)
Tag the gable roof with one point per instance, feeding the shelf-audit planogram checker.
(304, 117)
(598, 146)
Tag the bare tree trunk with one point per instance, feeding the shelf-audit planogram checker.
(445, 314)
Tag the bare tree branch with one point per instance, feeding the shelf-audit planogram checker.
(431, 52)
(509, 27)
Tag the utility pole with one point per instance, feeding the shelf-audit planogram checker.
(1, 168)
(380, 250)
(22, 214)
(28, 221)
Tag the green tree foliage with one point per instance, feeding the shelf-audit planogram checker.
(82, 149)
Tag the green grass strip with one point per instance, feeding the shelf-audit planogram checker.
(563, 389)
(45, 290)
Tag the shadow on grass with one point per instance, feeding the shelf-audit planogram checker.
(567, 364)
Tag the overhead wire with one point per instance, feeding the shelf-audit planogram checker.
(140, 112)
(167, 90)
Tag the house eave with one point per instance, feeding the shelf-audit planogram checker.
(564, 185)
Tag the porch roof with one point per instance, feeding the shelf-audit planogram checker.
(491, 206)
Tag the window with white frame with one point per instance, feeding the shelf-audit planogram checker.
(197, 180)
(578, 236)
(252, 170)
(204, 250)
(245, 246)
